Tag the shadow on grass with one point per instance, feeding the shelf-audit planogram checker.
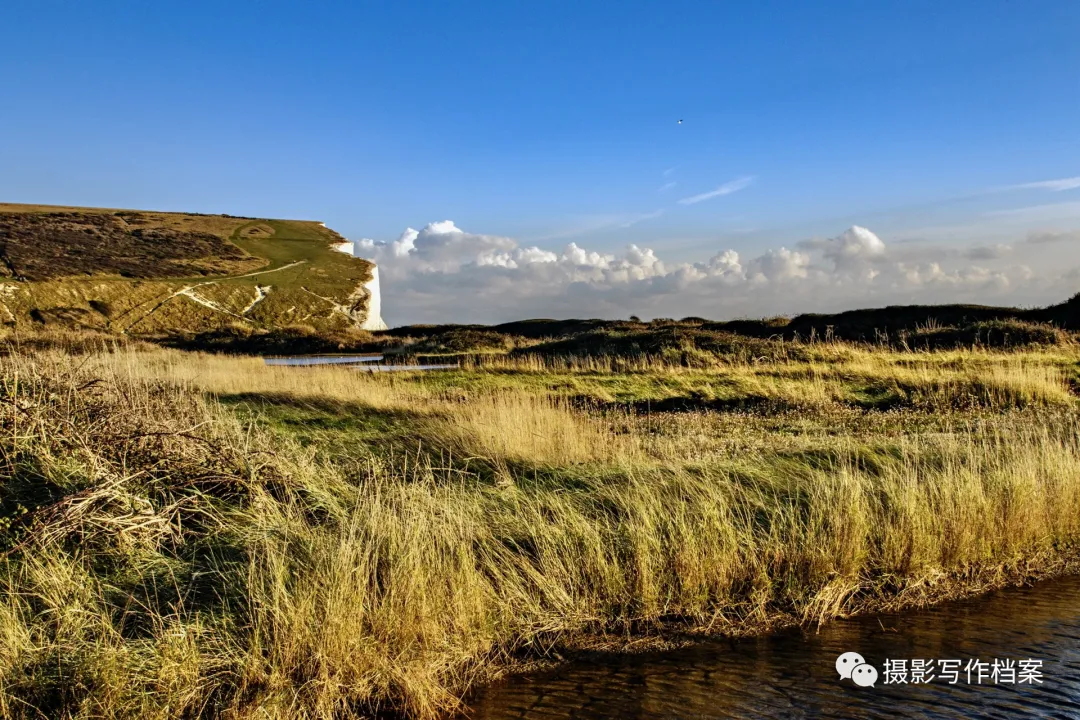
(351, 433)
(306, 417)
(691, 402)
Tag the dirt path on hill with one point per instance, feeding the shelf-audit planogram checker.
(187, 292)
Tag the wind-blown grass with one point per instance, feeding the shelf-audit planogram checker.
(186, 534)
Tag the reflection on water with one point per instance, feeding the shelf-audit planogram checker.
(398, 368)
(322, 359)
(370, 363)
(792, 674)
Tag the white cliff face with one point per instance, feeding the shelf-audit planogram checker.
(373, 320)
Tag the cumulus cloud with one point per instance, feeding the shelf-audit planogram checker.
(442, 273)
(779, 265)
(725, 189)
(854, 250)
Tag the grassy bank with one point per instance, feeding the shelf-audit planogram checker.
(188, 534)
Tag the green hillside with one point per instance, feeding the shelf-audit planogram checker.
(161, 273)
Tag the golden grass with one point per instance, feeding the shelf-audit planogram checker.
(180, 562)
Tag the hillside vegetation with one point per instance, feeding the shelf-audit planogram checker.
(185, 534)
(912, 327)
(172, 275)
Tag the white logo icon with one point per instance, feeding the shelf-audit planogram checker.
(853, 666)
(847, 662)
(864, 675)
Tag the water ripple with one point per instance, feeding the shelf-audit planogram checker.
(791, 674)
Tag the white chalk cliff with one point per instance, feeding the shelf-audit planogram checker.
(373, 319)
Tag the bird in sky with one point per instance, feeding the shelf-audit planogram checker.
(680, 122)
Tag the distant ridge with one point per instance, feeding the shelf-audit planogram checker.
(888, 324)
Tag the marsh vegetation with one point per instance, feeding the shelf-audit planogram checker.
(188, 534)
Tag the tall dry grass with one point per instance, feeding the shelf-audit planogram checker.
(172, 561)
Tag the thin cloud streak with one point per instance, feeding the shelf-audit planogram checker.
(1053, 185)
(640, 218)
(1044, 212)
(725, 189)
(667, 186)
(598, 224)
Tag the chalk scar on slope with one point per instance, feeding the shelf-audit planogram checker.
(261, 291)
(260, 272)
(190, 293)
(7, 291)
(335, 306)
(186, 291)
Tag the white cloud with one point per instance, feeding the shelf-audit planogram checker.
(725, 189)
(779, 265)
(851, 250)
(723, 264)
(445, 274)
(404, 244)
(667, 186)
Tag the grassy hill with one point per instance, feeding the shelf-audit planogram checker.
(163, 274)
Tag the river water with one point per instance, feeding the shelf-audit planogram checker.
(299, 360)
(792, 674)
(367, 363)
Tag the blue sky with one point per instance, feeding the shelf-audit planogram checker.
(555, 122)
